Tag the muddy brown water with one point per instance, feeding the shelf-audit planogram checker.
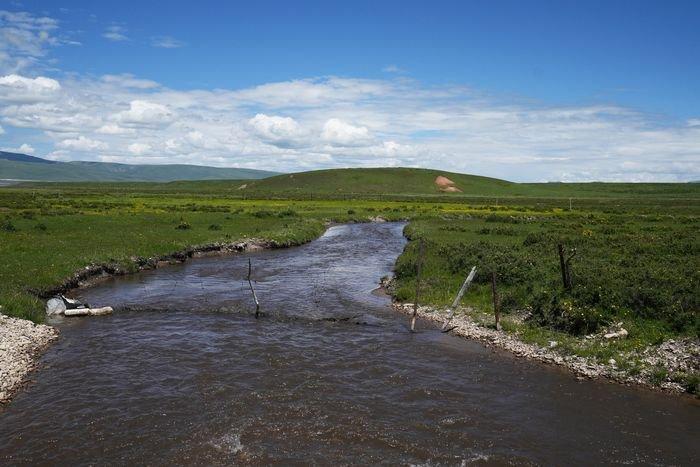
(183, 374)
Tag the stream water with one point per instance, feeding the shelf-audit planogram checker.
(182, 373)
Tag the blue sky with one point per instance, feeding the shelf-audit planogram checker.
(580, 90)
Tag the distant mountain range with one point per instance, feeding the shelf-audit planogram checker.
(15, 166)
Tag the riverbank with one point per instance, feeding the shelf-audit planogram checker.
(94, 273)
(21, 344)
(673, 357)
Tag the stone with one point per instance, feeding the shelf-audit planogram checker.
(55, 306)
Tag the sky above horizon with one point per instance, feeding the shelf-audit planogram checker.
(525, 91)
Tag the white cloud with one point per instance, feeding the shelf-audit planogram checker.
(112, 129)
(20, 89)
(128, 80)
(276, 130)
(2, 130)
(26, 149)
(24, 38)
(139, 149)
(166, 42)
(23, 149)
(115, 33)
(83, 144)
(145, 113)
(312, 92)
(340, 133)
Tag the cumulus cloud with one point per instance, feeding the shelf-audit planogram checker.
(276, 130)
(19, 89)
(83, 144)
(340, 133)
(394, 123)
(146, 114)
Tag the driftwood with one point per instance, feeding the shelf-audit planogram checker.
(458, 298)
(252, 289)
(419, 267)
(106, 310)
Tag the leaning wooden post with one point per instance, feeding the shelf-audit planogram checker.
(419, 267)
(252, 289)
(458, 298)
(496, 304)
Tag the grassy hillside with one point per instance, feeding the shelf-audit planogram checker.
(421, 182)
(103, 171)
(376, 181)
(404, 184)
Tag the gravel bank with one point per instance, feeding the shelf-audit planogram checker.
(679, 355)
(21, 344)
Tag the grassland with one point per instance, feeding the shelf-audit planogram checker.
(636, 262)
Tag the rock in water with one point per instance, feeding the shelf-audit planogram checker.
(55, 306)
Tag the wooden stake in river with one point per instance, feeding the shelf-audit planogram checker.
(419, 267)
(252, 289)
(458, 298)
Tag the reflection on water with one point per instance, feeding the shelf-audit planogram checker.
(192, 377)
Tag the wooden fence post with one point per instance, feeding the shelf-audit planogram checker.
(562, 265)
(458, 298)
(565, 265)
(252, 289)
(496, 302)
(419, 267)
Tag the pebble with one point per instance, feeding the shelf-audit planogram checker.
(678, 355)
(21, 344)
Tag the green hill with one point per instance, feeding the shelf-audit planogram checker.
(22, 167)
(388, 181)
(422, 182)
(340, 183)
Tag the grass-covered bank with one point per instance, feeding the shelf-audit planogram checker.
(633, 272)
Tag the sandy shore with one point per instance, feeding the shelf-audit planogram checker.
(680, 355)
(21, 344)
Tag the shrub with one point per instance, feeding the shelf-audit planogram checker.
(552, 311)
(263, 213)
(287, 213)
(8, 226)
(183, 226)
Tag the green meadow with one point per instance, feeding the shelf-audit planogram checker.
(636, 261)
